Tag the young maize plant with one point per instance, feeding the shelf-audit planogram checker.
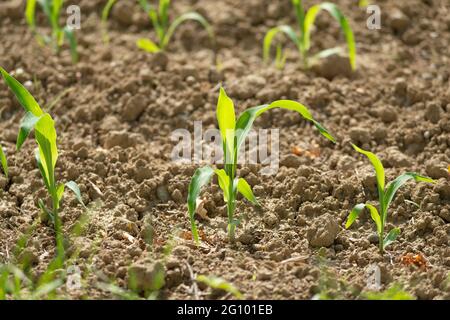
(52, 9)
(3, 161)
(161, 23)
(46, 154)
(302, 40)
(385, 195)
(233, 134)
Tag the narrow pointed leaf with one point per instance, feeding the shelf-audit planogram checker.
(224, 183)
(147, 45)
(377, 165)
(41, 169)
(354, 214)
(30, 13)
(76, 190)
(220, 284)
(26, 125)
(340, 18)
(246, 119)
(201, 177)
(190, 16)
(163, 12)
(227, 122)
(3, 161)
(45, 134)
(23, 96)
(244, 188)
(60, 192)
(375, 217)
(393, 187)
(70, 35)
(270, 36)
(391, 236)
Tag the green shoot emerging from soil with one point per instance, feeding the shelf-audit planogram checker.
(161, 24)
(302, 40)
(46, 154)
(3, 161)
(233, 134)
(385, 195)
(220, 284)
(52, 9)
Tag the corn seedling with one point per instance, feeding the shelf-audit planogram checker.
(302, 39)
(3, 161)
(46, 154)
(159, 18)
(385, 196)
(217, 283)
(52, 9)
(233, 134)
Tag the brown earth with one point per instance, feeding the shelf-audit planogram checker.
(119, 106)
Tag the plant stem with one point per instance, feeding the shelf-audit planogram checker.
(58, 225)
(231, 205)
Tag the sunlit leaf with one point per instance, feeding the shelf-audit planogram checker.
(391, 236)
(220, 284)
(227, 122)
(354, 214)
(378, 166)
(147, 45)
(270, 36)
(340, 18)
(26, 125)
(3, 161)
(244, 188)
(201, 177)
(396, 184)
(190, 16)
(23, 96)
(76, 190)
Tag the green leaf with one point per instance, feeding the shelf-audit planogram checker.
(41, 169)
(163, 12)
(201, 177)
(104, 18)
(220, 284)
(270, 35)
(26, 125)
(30, 12)
(391, 236)
(3, 161)
(147, 45)
(354, 214)
(72, 43)
(107, 9)
(244, 188)
(45, 134)
(60, 192)
(227, 122)
(340, 18)
(224, 183)
(190, 16)
(393, 187)
(76, 190)
(375, 217)
(246, 119)
(377, 165)
(23, 96)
